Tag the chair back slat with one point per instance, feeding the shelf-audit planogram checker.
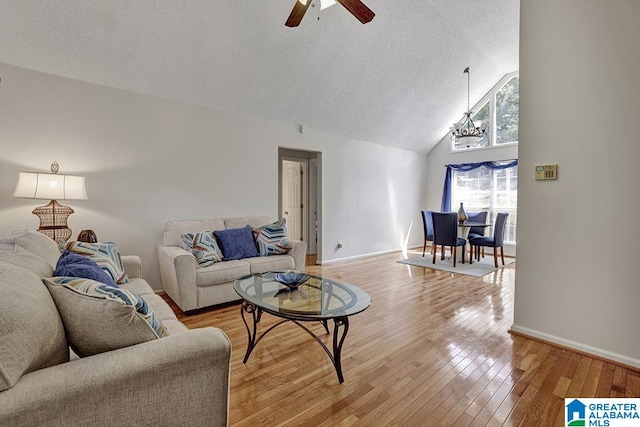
(498, 230)
(427, 224)
(445, 228)
(477, 217)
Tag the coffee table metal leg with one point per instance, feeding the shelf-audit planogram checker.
(337, 343)
(326, 326)
(340, 329)
(256, 314)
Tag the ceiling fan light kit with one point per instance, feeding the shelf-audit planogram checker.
(355, 7)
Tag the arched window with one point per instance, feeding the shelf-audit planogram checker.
(500, 109)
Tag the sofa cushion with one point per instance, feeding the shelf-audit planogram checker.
(253, 221)
(16, 255)
(271, 263)
(138, 286)
(160, 307)
(203, 246)
(222, 272)
(106, 255)
(99, 318)
(272, 239)
(31, 332)
(236, 243)
(72, 264)
(173, 229)
(36, 243)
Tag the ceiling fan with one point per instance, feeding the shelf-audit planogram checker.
(356, 7)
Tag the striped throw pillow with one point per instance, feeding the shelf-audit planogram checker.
(106, 255)
(272, 239)
(203, 246)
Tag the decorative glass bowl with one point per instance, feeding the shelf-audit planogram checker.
(291, 279)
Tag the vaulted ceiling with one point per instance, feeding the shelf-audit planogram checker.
(397, 80)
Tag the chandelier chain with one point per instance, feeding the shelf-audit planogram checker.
(467, 132)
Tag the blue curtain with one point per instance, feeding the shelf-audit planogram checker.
(465, 167)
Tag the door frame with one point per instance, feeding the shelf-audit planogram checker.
(312, 236)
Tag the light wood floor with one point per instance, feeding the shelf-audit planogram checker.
(432, 350)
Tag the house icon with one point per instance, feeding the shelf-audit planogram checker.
(575, 409)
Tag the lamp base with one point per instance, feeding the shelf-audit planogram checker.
(53, 221)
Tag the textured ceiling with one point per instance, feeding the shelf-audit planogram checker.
(395, 81)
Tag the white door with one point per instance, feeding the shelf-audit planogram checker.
(292, 198)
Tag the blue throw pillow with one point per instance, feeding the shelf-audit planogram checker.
(236, 243)
(71, 264)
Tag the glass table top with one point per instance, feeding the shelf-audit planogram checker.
(317, 298)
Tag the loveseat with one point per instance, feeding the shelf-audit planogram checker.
(192, 287)
(179, 379)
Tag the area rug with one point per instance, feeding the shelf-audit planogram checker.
(477, 269)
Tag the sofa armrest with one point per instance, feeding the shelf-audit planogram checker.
(299, 254)
(182, 379)
(132, 265)
(178, 276)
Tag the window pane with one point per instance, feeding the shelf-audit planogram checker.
(485, 190)
(507, 112)
(482, 116)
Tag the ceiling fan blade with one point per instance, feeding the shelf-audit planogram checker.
(358, 9)
(297, 14)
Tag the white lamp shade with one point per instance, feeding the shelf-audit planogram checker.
(48, 186)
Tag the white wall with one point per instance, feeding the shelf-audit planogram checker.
(576, 280)
(148, 160)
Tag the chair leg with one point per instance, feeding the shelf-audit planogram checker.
(502, 254)
(433, 252)
(442, 252)
(424, 248)
(463, 252)
(455, 250)
(495, 257)
(470, 254)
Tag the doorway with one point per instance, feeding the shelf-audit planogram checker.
(299, 191)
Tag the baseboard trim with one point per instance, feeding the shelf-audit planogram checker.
(330, 261)
(627, 362)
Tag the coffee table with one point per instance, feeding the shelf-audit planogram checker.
(318, 299)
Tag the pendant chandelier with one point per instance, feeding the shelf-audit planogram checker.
(466, 133)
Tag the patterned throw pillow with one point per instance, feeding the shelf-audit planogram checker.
(71, 264)
(106, 255)
(203, 246)
(272, 238)
(99, 318)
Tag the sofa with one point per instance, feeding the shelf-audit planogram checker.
(179, 379)
(191, 287)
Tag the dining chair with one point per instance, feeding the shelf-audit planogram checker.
(475, 232)
(427, 225)
(445, 233)
(495, 242)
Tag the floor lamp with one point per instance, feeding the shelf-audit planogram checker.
(54, 187)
